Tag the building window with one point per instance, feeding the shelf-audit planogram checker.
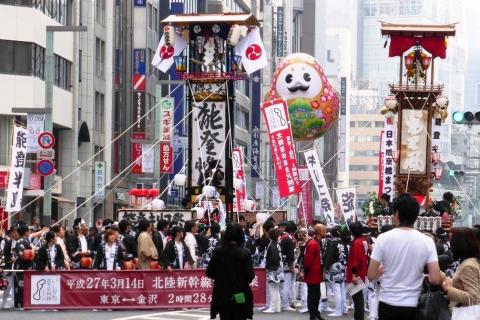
(149, 15)
(156, 23)
(357, 167)
(370, 8)
(100, 12)
(352, 124)
(99, 111)
(379, 124)
(242, 119)
(100, 58)
(62, 73)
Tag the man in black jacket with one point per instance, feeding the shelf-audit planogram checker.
(287, 246)
(78, 245)
(127, 240)
(9, 260)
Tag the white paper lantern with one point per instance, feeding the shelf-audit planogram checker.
(249, 205)
(234, 35)
(261, 217)
(179, 179)
(237, 184)
(209, 191)
(442, 101)
(391, 102)
(157, 204)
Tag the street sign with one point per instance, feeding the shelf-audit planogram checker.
(46, 140)
(46, 154)
(99, 180)
(45, 167)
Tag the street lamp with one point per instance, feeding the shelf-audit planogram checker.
(49, 78)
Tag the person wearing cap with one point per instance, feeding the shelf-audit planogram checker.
(78, 243)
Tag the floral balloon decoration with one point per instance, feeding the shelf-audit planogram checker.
(312, 101)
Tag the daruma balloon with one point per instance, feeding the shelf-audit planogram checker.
(312, 101)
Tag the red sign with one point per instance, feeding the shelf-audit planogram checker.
(166, 157)
(153, 289)
(138, 82)
(305, 209)
(275, 115)
(237, 161)
(46, 140)
(3, 179)
(380, 166)
(35, 181)
(137, 152)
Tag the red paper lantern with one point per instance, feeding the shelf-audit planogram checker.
(420, 199)
(128, 265)
(28, 255)
(409, 61)
(154, 265)
(86, 262)
(152, 193)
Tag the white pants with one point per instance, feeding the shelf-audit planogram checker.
(286, 289)
(275, 301)
(340, 297)
(372, 304)
(8, 291)
(301, 293)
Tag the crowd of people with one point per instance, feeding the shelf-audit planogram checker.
(314, 269)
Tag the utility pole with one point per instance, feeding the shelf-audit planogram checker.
(48, 125)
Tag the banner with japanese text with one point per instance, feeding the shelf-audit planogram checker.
(275, 115)
(146, 289)
(239, 173)
(305, 208)
(137, 152)
(35, 126)
(380, 164)
(316, 173)
(17, 168)
(166, 134)
(347, 200)
(166, 157)
(436, 131)
(255, 125)
(208, 138)
(387, 151)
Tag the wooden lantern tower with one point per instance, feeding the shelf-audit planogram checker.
(420, 104)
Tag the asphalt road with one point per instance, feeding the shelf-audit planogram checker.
(193, 314)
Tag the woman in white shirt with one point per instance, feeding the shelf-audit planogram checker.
(110, 254)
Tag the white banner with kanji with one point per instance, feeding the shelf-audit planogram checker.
(239, 173)
(436, 133)
(347, 200)
(388, 150)
(316, 172)
(17, 168)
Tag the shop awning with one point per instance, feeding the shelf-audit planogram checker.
(63, 200)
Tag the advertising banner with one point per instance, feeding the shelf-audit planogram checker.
(166, 157)
(152, 289)
(388, 165)
(239, 173)
(147, 158)
(275, 115)
(35, 127)
(137, 152)
(139, 111)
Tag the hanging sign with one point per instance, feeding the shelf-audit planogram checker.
(137, 152)
(387, 153)
(17, 168)
(147, 158)
(347, 199)
(275, 115)
(35, 125)
(208, 138)
(316, 172)
(99, 179)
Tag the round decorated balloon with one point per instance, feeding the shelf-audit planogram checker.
(312, 101)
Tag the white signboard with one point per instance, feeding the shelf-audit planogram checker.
(45, 290)
(316, 172)
(414, 142)
(35, 126)
(147, 158)
(347, 200)
(17, 168)
(388, 149)
(99, 179)
(208, 138)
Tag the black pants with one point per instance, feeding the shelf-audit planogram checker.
(313, 300)
(359, 305)
(388, 312)
(18, 289)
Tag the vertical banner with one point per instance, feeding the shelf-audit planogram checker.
(139, 111)
(166, 134)
(147, 158)
(275, 115)
(316, 172)
(255, 125)
(137, 152)
(436, 130)
(380, 164)
(166, 157)
(388, 149)
(17, 168)
(305, 209)
(208, 138)
(138, 76)
(347, 199)
(35, 126)
(239, 173)
(99, 180)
